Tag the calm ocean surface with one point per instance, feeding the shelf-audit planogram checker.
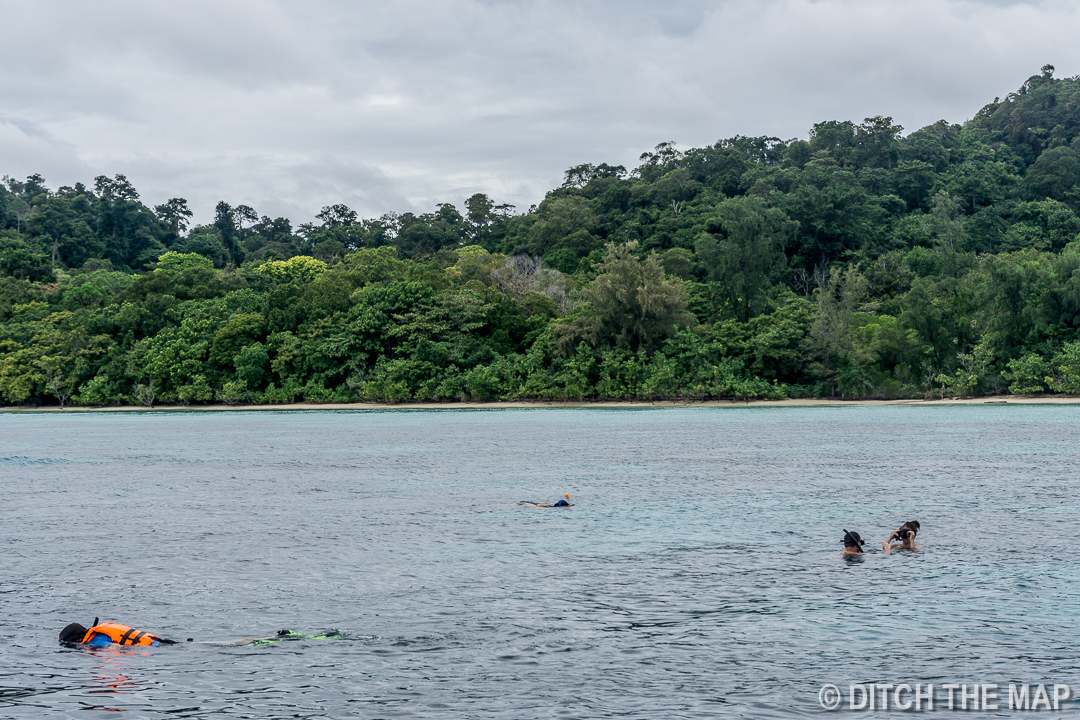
(697, 576)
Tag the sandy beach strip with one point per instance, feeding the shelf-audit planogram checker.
(497, 405)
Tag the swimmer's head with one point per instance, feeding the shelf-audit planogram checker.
(905, 532)
(73, 633)
(914, 525)
(853, 540)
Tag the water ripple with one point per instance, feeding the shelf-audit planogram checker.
(697, 575)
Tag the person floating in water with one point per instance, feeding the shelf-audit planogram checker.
(853, 543)
(276, 638)
(100, 635)
(906, 535)
(563, 502)
(103, 634)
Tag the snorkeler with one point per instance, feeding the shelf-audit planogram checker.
(564, 502)
(910, 527)
(275, 638)
(853, 543)
(906, 535)
(100, 635)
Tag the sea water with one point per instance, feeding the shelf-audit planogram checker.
(697, 574)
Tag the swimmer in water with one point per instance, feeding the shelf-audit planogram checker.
(853, 543)
(276, 638)
(912, 525)
(100, 635)
(564, 502)
(906, 535)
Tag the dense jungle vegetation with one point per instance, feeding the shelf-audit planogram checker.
(858, 263)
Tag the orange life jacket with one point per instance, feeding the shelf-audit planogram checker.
(121, 634)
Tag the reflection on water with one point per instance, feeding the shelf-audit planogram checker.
(110, 673)
(698, 575)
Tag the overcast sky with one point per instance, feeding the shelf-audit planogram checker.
(399, 105)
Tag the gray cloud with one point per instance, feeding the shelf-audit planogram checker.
(397, 106)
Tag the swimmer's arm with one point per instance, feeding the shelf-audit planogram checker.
(886, 548)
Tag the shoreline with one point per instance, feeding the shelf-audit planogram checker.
(530, 404)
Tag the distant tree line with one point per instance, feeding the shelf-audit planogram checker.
(857, 263)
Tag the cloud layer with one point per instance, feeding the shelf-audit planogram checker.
(398, 106)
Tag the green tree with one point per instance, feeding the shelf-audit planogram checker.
(300, 269)
(746, 258)
(630, 304)
(836, 215)
(176, 261)
(62, 225)
(1055, 174)
(236, 334)
(563, 223)
(914, 179)
(21, 259)
(1011, 297)
(225, 224)
(127, 228)
(840, 307)
(877, 142)
(947, 228)
(175, 215)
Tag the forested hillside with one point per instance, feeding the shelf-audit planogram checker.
(857, 263)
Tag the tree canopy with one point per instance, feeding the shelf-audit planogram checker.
(857, 262)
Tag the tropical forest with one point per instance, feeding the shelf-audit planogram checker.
(862, 262)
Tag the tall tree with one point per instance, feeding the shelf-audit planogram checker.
(747, 255)
(175, 215)
(225, 222)
(243, 214)
(631, 304)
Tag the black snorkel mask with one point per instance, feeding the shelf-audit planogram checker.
(904, 530)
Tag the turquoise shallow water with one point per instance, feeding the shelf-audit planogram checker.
(698, 574)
